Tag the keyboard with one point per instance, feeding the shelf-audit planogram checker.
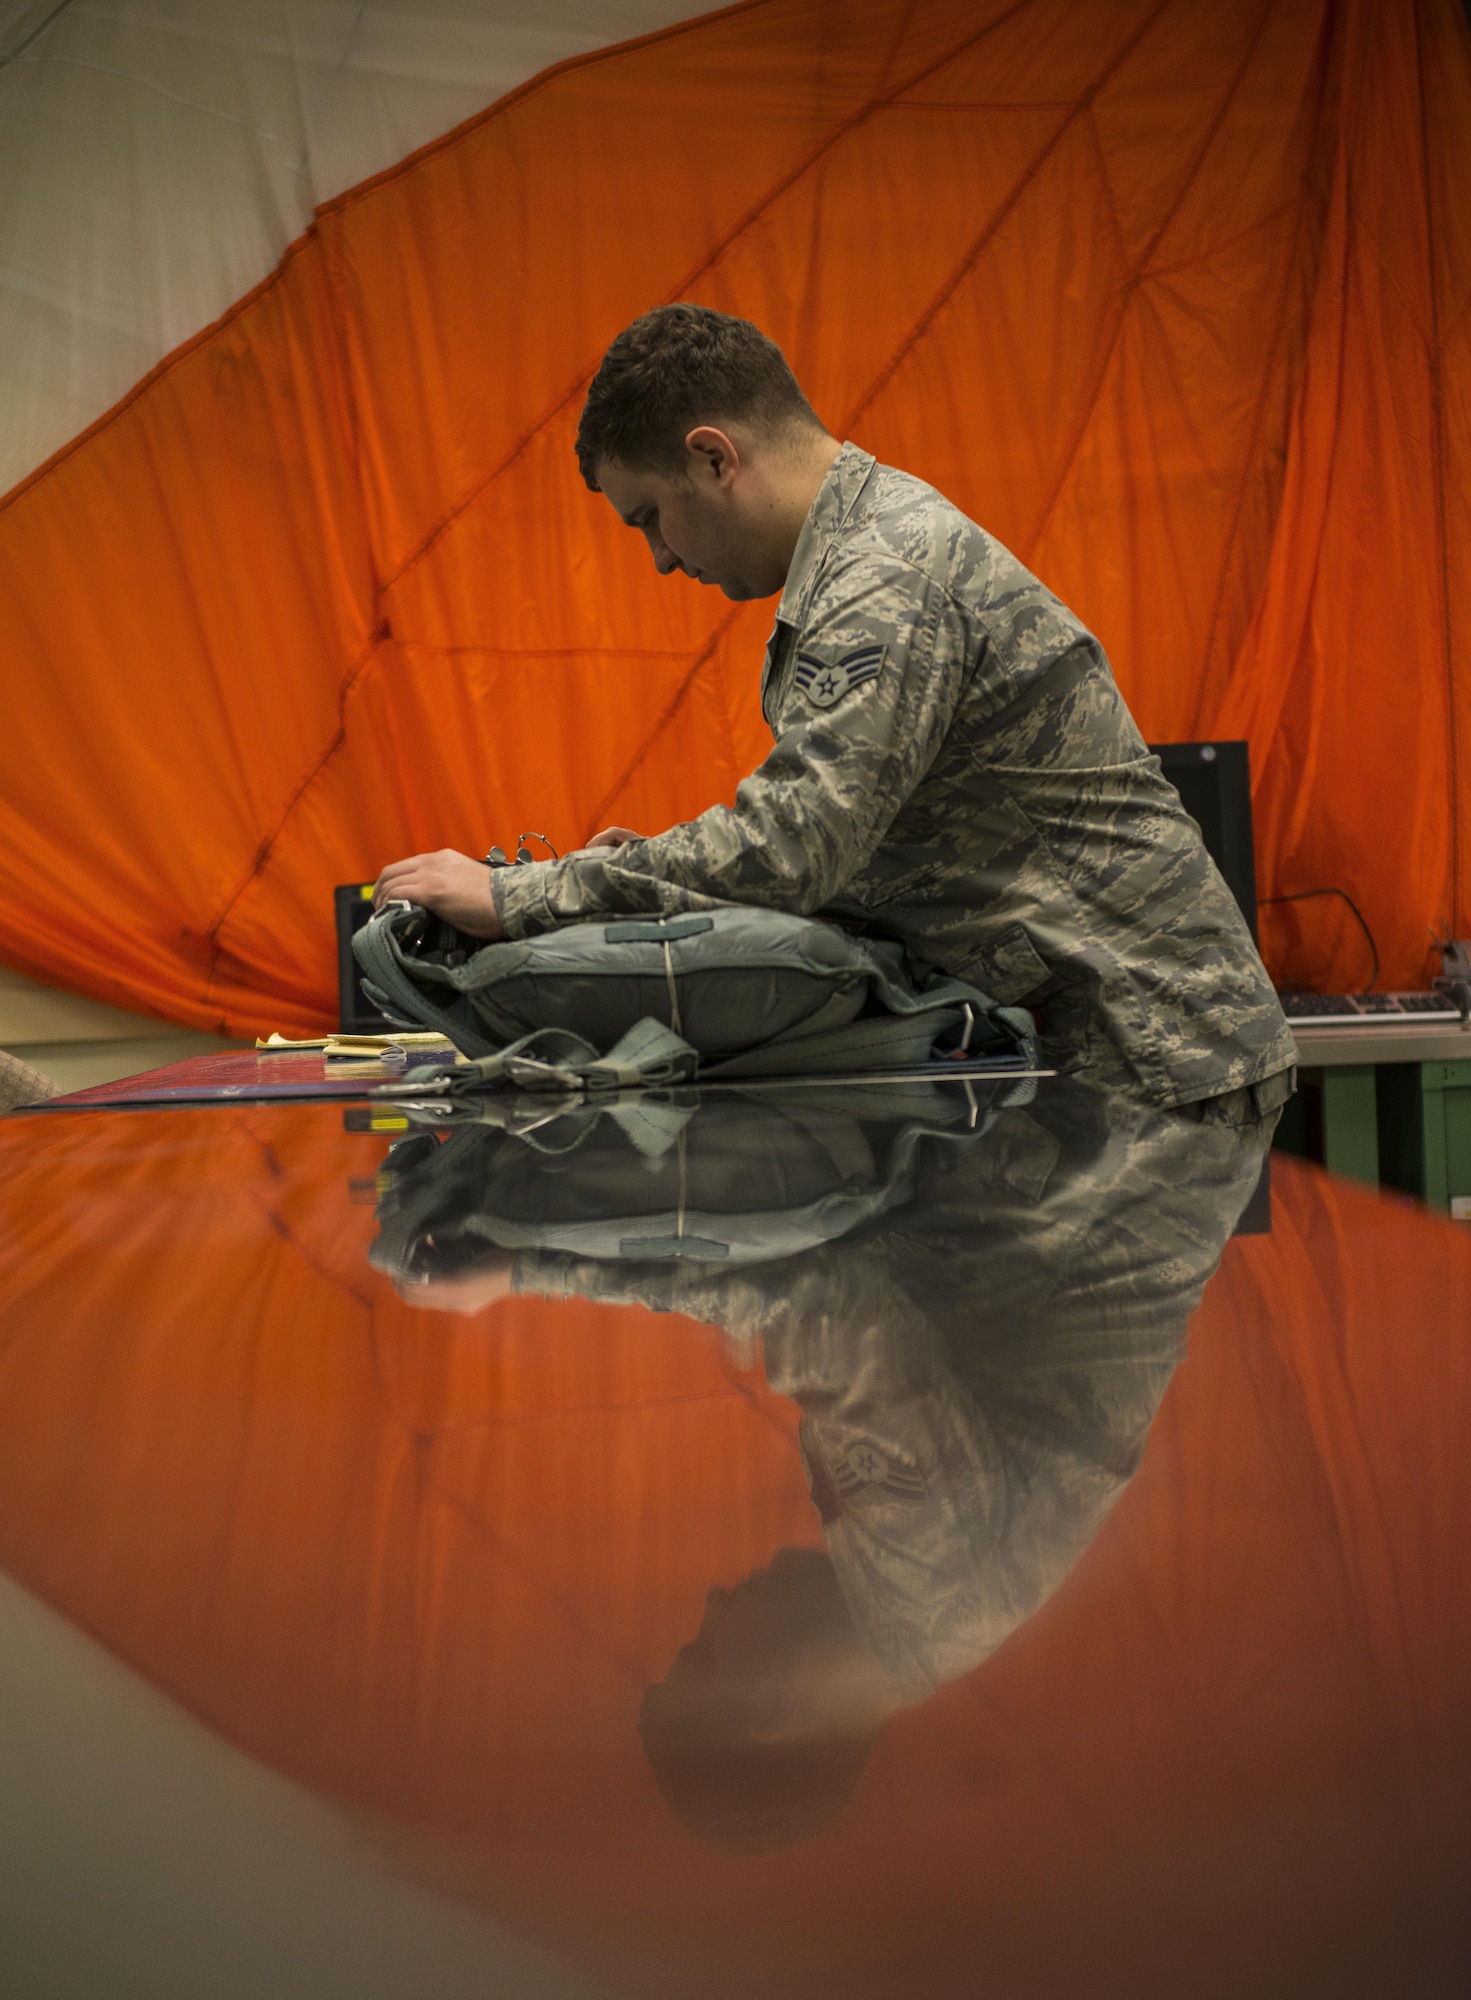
(1343, 1010)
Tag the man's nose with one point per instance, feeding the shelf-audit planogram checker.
(666, 561)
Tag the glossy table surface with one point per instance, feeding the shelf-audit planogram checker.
(870, 1543)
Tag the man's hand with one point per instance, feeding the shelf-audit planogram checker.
(611, 836)
(484, 1284)
(452, 885)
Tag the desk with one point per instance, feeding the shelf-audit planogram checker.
(1334, 1048)
(1388, 1104)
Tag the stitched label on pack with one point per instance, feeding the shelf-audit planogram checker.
(669, 932)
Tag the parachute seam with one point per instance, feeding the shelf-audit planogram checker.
(1135, 278)
(978, 246)
(1437, 432)
(692, 277)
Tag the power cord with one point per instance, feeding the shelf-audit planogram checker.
(1303, 895)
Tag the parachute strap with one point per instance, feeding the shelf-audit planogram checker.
(556, 1059)
(674, 1020)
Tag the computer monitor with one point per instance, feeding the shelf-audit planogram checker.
(356, 1014)
(1214, 783)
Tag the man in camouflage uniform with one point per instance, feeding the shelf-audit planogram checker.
(953, 764)
(977, 1371)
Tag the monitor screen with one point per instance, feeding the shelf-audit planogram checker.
(356, 1014)
(1214, 783)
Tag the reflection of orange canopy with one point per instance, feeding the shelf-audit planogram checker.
(1172, 295)
(425, 1566)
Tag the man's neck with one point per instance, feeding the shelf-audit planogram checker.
(798, 481)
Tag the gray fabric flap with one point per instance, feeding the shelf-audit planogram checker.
(669, 931)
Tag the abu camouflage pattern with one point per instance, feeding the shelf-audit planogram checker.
(825, 682)
(977, 1372)
(955, 768)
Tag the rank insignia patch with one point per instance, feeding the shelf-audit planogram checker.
(826, 681)
(866, 1468)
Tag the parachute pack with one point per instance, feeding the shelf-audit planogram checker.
(666, 1177)
(731, 993)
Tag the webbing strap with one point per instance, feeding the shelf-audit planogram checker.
(657, 933)
(389, 986)
(674, 1020)
(555, 1059)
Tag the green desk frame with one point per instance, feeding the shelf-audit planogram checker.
(1424, 1112)
(1368, 1109)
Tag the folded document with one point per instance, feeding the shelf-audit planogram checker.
(354, 1048)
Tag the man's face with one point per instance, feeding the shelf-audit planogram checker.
(779, 1648)
(694, 524)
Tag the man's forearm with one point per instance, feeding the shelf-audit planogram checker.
(789, 843)
(803, 824)
(541, 896)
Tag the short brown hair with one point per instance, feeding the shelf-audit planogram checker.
(740, 1795)
(677, 367)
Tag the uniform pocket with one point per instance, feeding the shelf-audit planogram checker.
(1009, 967)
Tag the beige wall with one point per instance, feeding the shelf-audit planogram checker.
(80, 1042)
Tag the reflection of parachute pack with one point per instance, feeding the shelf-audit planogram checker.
(731, 992)
(725, 1179)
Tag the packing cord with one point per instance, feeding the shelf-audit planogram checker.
(674, 1021)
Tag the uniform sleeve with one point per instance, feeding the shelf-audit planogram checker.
(862, 703)
(787, 1304)
(735, 1306)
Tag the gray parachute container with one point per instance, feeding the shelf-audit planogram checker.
(730, 992)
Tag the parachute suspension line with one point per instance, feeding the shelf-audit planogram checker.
(674, 1020)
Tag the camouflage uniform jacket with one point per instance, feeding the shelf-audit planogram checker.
(977, 1373)
(955, 767)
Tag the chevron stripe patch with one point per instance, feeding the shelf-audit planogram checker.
(866, 1467)
(827, 681)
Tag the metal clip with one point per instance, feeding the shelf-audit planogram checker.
(523, 852)
(497, 855)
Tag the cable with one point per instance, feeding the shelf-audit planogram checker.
(29, 41)
(1302, 895)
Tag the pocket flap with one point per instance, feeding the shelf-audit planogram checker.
(1009, 967)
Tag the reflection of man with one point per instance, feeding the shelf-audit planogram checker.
(977, 1373)
(760, 1729)
(953, 765)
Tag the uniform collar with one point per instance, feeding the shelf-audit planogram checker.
(836, 498)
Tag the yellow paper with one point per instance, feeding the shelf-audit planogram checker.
(351, 1045)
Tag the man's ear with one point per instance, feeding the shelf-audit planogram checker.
(714, 452)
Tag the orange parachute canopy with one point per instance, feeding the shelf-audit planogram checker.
(1171, 296)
